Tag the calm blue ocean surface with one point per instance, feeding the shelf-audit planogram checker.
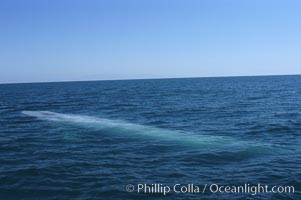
(88, 140)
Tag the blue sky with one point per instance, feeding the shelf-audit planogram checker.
(60, 40)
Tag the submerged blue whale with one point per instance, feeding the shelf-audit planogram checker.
(136, 130)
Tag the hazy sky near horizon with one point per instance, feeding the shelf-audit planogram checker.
(58, 40)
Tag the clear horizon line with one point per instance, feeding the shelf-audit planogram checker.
(153, 78)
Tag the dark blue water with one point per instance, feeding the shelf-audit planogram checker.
(88, 140)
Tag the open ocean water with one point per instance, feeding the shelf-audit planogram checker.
(89, 140)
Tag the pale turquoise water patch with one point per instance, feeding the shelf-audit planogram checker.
(135, 130)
